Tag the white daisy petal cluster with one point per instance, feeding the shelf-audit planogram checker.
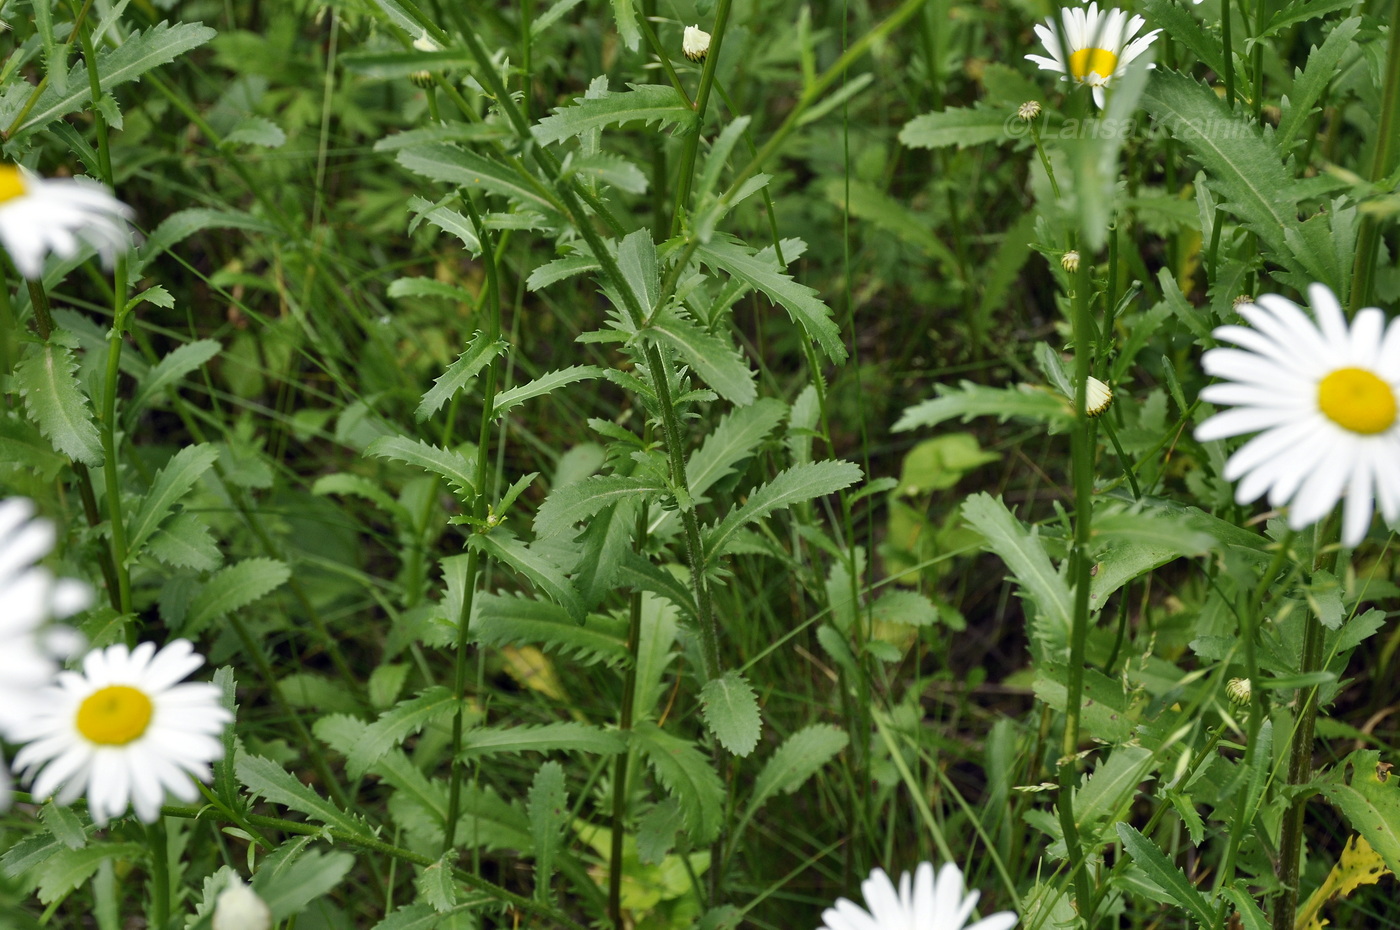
(1324, 399)
(920, 903)
(39, 216)
(695, 43)
(125, 731)
(1099, 46)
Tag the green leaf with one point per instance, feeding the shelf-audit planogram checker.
(397, 724)
(1030, 565)
(1312, 80)
(960, 126)
(604, 545)
(1241, 164)
(427, 287)
(270, 780)
(138, 53)
(179, 226)
(1161, 870)
(436, 885)
(607, 168)
(443, 161)
(410, 917)
(799, 758)
(346, 483)
(290, 884)
(256, 130)
(715, 359)
(548, 807)
(1106, 795)
(1108, 710)
(185, 542)
(234, 588)
(479, 353)
(800, 301)
(560, 269)
(736, 439)
(504, 619)
(171, 483)
(550, 737)
(575, 503)
(796, 484)
(66, 826)
(626, 15)
(730, 709)
(1370, 801)
(178, 363)
(645, 103)
(970, 400)
(687, 774)
(544, 574)
(636, 259)
(1182, 25)
(1294, 13)
(447, 463)
(544, 384)
(48, 383)
(66, 869)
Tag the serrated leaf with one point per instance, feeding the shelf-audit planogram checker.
(436, 885)
(969, 400)
(646, 103)
(577, 502)
(171, 483)
(1370, 801)
(544, 384)
(1167, 876)
(270, 780)
(256, 130)
(503, 620)
(397, 724)
(290, 885)
(427, 287)
(347, 483)
(181, 225)
(960, 126)
(446, 463)
(1180, 24)
(687, 775)
(1295, 13)
(799, 758)
(800, 301)
(713, 358)
(560, 269)
(178, 363)
(234, 588)
(138, 53)
(612, 170)
(410, 917)
(185, 542)
(478, 354)
(730, 709)
(66, 826)
(1358, 865)
(626, 15)
(1030, 565)
(66, 869)
(57, 405)
(636, 259)
(544, 574)
(1311, 81)
(794, 485)
(550, 737)
(443, 161)
(604, 545)
(548, 807)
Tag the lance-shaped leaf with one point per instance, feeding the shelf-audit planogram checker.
(397, 724)
(453, 466)
(167, 372)
(1370, 801)
(234, 588)
(508, 620)
(49, 386)
(689, 777)
(548, 807)
(544, 574)
(171, 483)
(796, 484)
(714, 359)
(1167, 875)
(645, 103)
(480, 353)
(795, 761)
(544, 384)
(969, 400)
(271, 780)
(1030, 565)
(549, 737)
(730, 709)
(577, 502)
(960, 126)
(443, 161)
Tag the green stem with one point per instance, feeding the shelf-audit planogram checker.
(1225, 36)
(492, 302)
(111, 465)
(1368, 240)
(686, 175)
(629, 696)
(160, 874)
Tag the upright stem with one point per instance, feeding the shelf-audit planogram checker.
(111, 465)
(1364, 267)
(160, 874)
(702, 98)
(629, 696)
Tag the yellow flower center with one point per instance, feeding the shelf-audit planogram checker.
(1357, 400)
(115, 715)
(1089, 61)
(11, 183)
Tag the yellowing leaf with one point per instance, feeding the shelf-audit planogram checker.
(1359, 865)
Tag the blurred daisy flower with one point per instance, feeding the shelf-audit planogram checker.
(31, 597)
(918, 904)
(124, 731)
(1101, 45)
(1323, 398)
(238, 907)
(39, 215)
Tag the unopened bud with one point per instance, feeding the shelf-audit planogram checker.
(1070, 261)
(695, 43)
(1238, 690)
(1097, 397)
(1028, 110)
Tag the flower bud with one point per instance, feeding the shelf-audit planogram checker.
(695, 43)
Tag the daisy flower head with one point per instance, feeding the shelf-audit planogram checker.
(39, 216)
(1322, 397)
(920, 903)
(695, 43)
(125, 731)
(31, 596)
(1101, 45)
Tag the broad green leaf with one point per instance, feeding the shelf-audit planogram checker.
(65, 869)
(1025, 556)
(544, 384)
(645, 103)
(712, 357)
(799, 758)
(548, 807)
(960, 126)
(289, 885)
(1108, 792)
(271, 780)
(575, 503)
(1167, 875)
(397, 724)
(178, 363)
(138, 53)
(64, 824)
(970, 400)
(449, 464)
(800, 301)
(1370, 801)
(1325, 246)
(796, 484)
(436, 885)
(504, 619)
(478, 354)
(550, 737)
(687, 775)
(234, 588)
(730, 709)
(171, 483)
(48, 383)
(544, 574)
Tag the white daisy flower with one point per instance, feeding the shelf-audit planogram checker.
(124, 731)
(1101, 45)
(695, 43)
(1097, 396)
(919, 904)
(1322, 397)
(38, 216)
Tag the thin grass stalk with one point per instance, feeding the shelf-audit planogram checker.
(1368, 240)
(492, 305)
